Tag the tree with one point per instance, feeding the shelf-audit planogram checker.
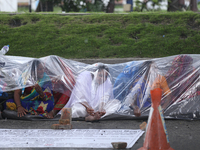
(193, 5)
(179, 5)
(111, 6)
(45, 5)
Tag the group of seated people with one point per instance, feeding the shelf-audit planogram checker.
(92, 95)
(39, 91)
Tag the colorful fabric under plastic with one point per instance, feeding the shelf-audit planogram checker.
(33, 102)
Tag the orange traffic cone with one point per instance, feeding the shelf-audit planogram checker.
(156, 137)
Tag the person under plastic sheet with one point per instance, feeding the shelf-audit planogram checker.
(131, 87)
(8, 82)
(92, 96)
(177, 80)
(8, 74)
(62, 85)
(34, 100)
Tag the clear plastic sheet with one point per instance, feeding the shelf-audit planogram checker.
(115, 91)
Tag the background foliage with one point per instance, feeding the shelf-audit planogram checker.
(101, 35)
(76, 5)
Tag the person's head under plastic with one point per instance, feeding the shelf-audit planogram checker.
(100, 74)
(37, 70)
(181, 65)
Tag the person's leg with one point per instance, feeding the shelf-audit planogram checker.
(78, 110)
(111, 107)
(10, 104)
(60, 103)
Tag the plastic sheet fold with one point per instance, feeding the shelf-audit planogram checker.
(118, 91)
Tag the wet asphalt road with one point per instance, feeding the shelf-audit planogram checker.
(183, 134)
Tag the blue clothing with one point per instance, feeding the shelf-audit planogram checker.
(132, 82)
(124, 80)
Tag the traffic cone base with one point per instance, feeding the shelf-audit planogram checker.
(143, 148)
(156, 137)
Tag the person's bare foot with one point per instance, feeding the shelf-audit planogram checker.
(94, 118)
(136, 110)
(50, 115)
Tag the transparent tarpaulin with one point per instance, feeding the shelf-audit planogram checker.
(115, 91)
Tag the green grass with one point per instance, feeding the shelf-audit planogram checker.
(24, 9)
(118, 6)
(149, 34)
